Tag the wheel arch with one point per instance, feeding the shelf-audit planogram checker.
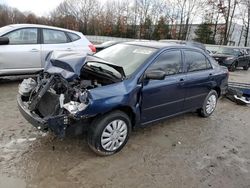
(218, 90)
(129, 111)
(125, 109)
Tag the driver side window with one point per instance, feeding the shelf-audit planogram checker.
(170, 62)
(23, 36)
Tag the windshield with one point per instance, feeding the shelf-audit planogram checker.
(127, 56)
(229, 51)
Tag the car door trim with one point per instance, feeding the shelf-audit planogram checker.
(163, 118)
(164, 104)
(9, 71)
(196, 96)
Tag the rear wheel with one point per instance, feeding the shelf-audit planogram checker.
(209, 104)
(109, 134)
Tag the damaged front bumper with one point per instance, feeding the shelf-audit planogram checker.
(32, 118)
(56, 124)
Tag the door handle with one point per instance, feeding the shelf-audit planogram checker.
(210, 74)
(69, 49)
(34, 50)
(182, 80)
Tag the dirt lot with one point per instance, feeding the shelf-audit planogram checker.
(186, 151)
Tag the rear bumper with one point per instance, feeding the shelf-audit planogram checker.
(32, 118)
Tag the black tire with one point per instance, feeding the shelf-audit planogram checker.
(203, 112)
(233, 67)
(99, 125)
(246, 67)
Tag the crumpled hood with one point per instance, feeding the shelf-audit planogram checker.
(69, 64)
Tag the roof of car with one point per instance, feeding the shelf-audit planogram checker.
(159, 45)
(39, 26)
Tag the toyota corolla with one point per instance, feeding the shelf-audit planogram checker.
(124, 86)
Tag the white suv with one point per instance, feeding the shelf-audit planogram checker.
(24, 47)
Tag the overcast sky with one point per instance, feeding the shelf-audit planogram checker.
(39, 7)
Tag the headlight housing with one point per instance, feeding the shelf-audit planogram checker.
(73, 107)
(26, 86)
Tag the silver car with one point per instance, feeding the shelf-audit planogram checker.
(24, 47)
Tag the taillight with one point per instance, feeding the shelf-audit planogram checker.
(92, 47)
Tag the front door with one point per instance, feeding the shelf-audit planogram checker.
(163, 98)
(23, 51)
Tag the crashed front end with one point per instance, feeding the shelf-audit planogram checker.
(51, 103)
(57, 97)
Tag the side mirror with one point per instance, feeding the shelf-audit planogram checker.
(155, 75)
(4, 40)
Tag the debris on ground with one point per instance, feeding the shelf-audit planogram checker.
(239, 93)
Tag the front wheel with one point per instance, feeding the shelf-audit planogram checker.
(209, 104)
(108, 134)
(233, 67)
(246, 67)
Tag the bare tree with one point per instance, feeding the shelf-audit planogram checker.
(139, 18)
(227, 8)
(247, 3)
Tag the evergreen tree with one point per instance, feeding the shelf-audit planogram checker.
(204, 34)
(161, 30)
(146, 29)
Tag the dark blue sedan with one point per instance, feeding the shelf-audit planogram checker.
(124, 86)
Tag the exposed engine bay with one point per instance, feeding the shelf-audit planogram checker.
(50, 95)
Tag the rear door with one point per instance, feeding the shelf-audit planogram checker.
(54, 40)
(163, 98)
(199, 78)
(23, 51)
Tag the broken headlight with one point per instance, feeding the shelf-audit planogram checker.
(26, 86)
(73, 107)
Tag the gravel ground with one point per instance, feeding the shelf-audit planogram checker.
(185, 151)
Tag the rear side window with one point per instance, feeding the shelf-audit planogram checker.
(170, 62)
(73, 36)
(196, 61)
(23, 36)
(51, 36)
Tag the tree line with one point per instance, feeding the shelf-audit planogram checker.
(144, 19)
